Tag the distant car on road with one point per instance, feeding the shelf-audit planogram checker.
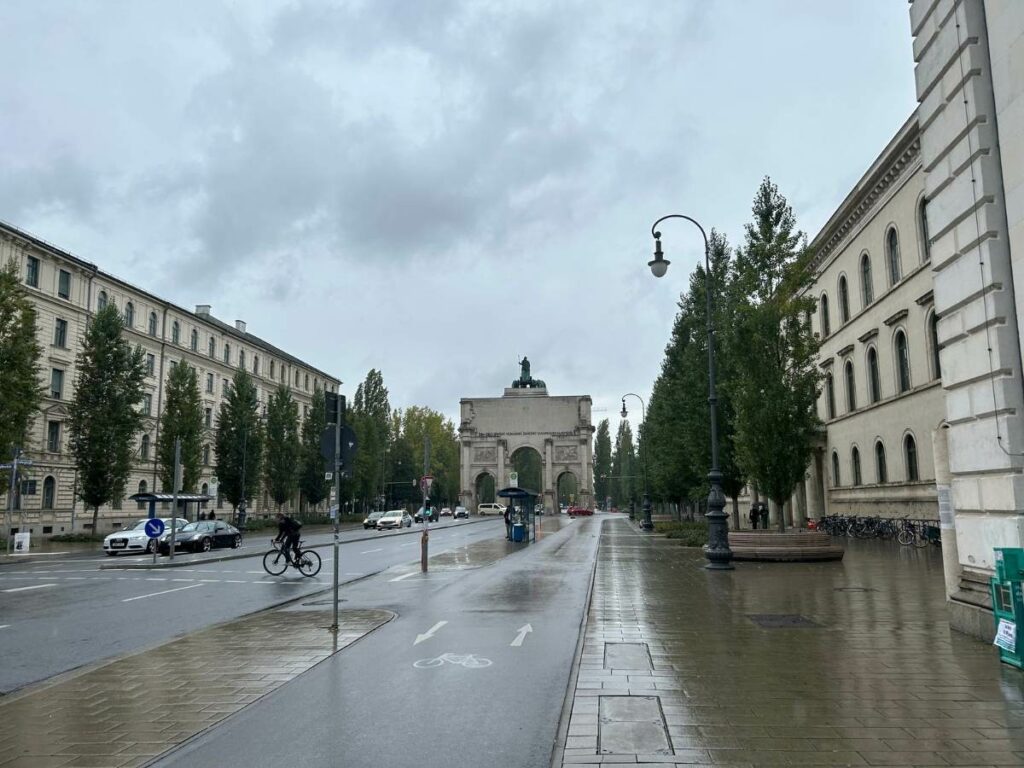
(370, 521)
(134, 539)
(461, 513)
(446, 512)
(579, 511)
(202, 536)
(434, 515)
(490, 509)
(395, 518)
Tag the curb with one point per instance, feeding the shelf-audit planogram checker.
(240, 556)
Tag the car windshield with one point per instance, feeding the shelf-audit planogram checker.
(197, 527)
(394, 513)
(375, 515)
(138, 526)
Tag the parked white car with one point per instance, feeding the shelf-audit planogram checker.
(134, 539)
(490, 509)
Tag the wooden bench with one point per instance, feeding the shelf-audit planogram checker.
(795, 546)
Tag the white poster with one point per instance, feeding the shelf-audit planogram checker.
(1006, 635)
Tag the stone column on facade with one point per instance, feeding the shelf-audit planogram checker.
(501, 481)
(585, 494)
(466, 475)
(550, 500)
(813, 488)
(800, 507)
(947, 514)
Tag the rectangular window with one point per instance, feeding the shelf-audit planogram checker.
(209, 382)
(206, 455)
(60, 334)
(53, 436)
(147, 404)
(150, 364)
(64, 284)
(209, 417)
(56, 383)
(32, 272)
(224, 387)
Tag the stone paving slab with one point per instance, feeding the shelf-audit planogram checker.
(873, 677)
(127, 712)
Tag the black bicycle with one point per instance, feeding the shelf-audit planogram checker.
(277, 560)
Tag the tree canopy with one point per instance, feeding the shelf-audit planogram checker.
(182, 418)
(20, 392)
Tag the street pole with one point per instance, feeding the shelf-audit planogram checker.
(337, 513)
(425, 538)
(717, 550)
(174, 501)
(10, 498)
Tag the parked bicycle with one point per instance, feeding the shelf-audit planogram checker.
(277, 560)
(909, 533)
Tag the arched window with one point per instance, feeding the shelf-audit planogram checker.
(142, 489)
(830, 395)
(227, 353)
(902, 362)
(922, 215)
(129, 315)
(851, 392)
(910, 455)
(256, 364)
(855, 458)
(892, 251)
(826, 325)
(144, 447)
(835, 470)
(49, 492)
(205, 490)
(880, 468)
(211, 347)
(195, 340)
(176, 332)
(844, 300)
(241, 358)
(867, 290)
(874, 382)
(101, 300)
(152, 323)
(933, 330)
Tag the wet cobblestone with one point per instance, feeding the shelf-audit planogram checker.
(127, 712)
(875, 676)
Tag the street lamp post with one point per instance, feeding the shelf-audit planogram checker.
(717, 549)
(647, 525)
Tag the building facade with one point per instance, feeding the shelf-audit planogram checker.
(66, 291)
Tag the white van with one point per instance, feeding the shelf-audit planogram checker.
(490, 509)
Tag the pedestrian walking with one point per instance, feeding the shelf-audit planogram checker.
(211, 516)
(202, 515)
(764, 515)
(754, 515)
(508, 522)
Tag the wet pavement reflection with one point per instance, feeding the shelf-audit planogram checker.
(844, 663)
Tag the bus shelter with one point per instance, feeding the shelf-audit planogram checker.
(521, 502)
(184, 499)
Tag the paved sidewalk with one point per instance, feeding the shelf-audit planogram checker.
(848, 663)
(126, 712)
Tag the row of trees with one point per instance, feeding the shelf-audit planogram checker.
(768, 380)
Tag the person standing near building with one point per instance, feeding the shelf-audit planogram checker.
(508, 522)
(754, 514)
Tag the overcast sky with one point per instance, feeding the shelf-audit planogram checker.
(436, 188)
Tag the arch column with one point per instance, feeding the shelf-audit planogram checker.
(500, 480)
(549, 490)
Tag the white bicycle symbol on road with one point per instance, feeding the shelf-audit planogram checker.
(467, 660)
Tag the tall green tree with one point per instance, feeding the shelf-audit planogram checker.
(777, 381)
(104, 417)
(602, 461)
(419, 421)
(312, 466)
(282, 446)
(20, 393)
(370, 417)
(624, 483)
(239, 442)
(182, 418)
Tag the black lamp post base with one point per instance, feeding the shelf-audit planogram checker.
(718, 561)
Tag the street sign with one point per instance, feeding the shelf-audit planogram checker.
(328, 476)
(425, 483)
(154, 527)
(214, 487)
(513, 479)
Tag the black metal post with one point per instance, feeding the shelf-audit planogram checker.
(717, 549)
(647, 524)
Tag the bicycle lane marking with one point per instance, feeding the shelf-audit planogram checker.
(165, 592)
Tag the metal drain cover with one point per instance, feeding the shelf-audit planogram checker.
(780, 620)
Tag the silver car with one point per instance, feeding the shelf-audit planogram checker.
(395, 518)
(133, 538)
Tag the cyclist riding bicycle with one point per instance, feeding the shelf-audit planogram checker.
(288, 531)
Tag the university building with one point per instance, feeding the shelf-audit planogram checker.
(66, 291)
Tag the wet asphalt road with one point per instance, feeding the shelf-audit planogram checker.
(478, 690)
(62, 614)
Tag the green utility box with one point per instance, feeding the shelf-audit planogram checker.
(1008, 604)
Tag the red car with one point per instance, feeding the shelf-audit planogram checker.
(573, 511)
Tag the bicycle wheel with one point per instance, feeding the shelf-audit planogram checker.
(275, 563)
(905, 536)
(309, 563)
(476, 662)
(428, 663)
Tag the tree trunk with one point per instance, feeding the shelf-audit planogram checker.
(95, 517)
(736, 513)
(782, 515)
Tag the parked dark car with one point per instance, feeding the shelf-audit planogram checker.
(370, 521)
(202, 536)
(434, 515)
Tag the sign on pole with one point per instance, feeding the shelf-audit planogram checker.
(425, 482)
(513, 479)
(154, 527)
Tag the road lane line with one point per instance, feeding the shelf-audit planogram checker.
(371, 551)
(410, 544)
(4, 626)
(234, 581)
(33, 586)
(406, 576)
(166, 591)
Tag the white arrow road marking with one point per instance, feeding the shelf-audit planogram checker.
(4, 626)
(34, 586)
(400, 578)
(429, 633)
(523, 630)
(166, 591)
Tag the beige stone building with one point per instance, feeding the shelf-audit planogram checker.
(66, 290)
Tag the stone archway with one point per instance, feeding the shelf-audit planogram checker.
(494, 430)
(484, 488)
(568, 488)
(529, 464)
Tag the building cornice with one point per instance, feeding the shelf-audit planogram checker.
(866, 337)
(895, 317)
(926, 298)
(845, 350)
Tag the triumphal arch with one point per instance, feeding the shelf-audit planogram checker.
(496, 433)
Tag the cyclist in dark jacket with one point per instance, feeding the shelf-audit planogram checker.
(288, 531)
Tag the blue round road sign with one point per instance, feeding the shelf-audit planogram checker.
(154, 527)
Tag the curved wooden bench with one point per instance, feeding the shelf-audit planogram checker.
(795, 546)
